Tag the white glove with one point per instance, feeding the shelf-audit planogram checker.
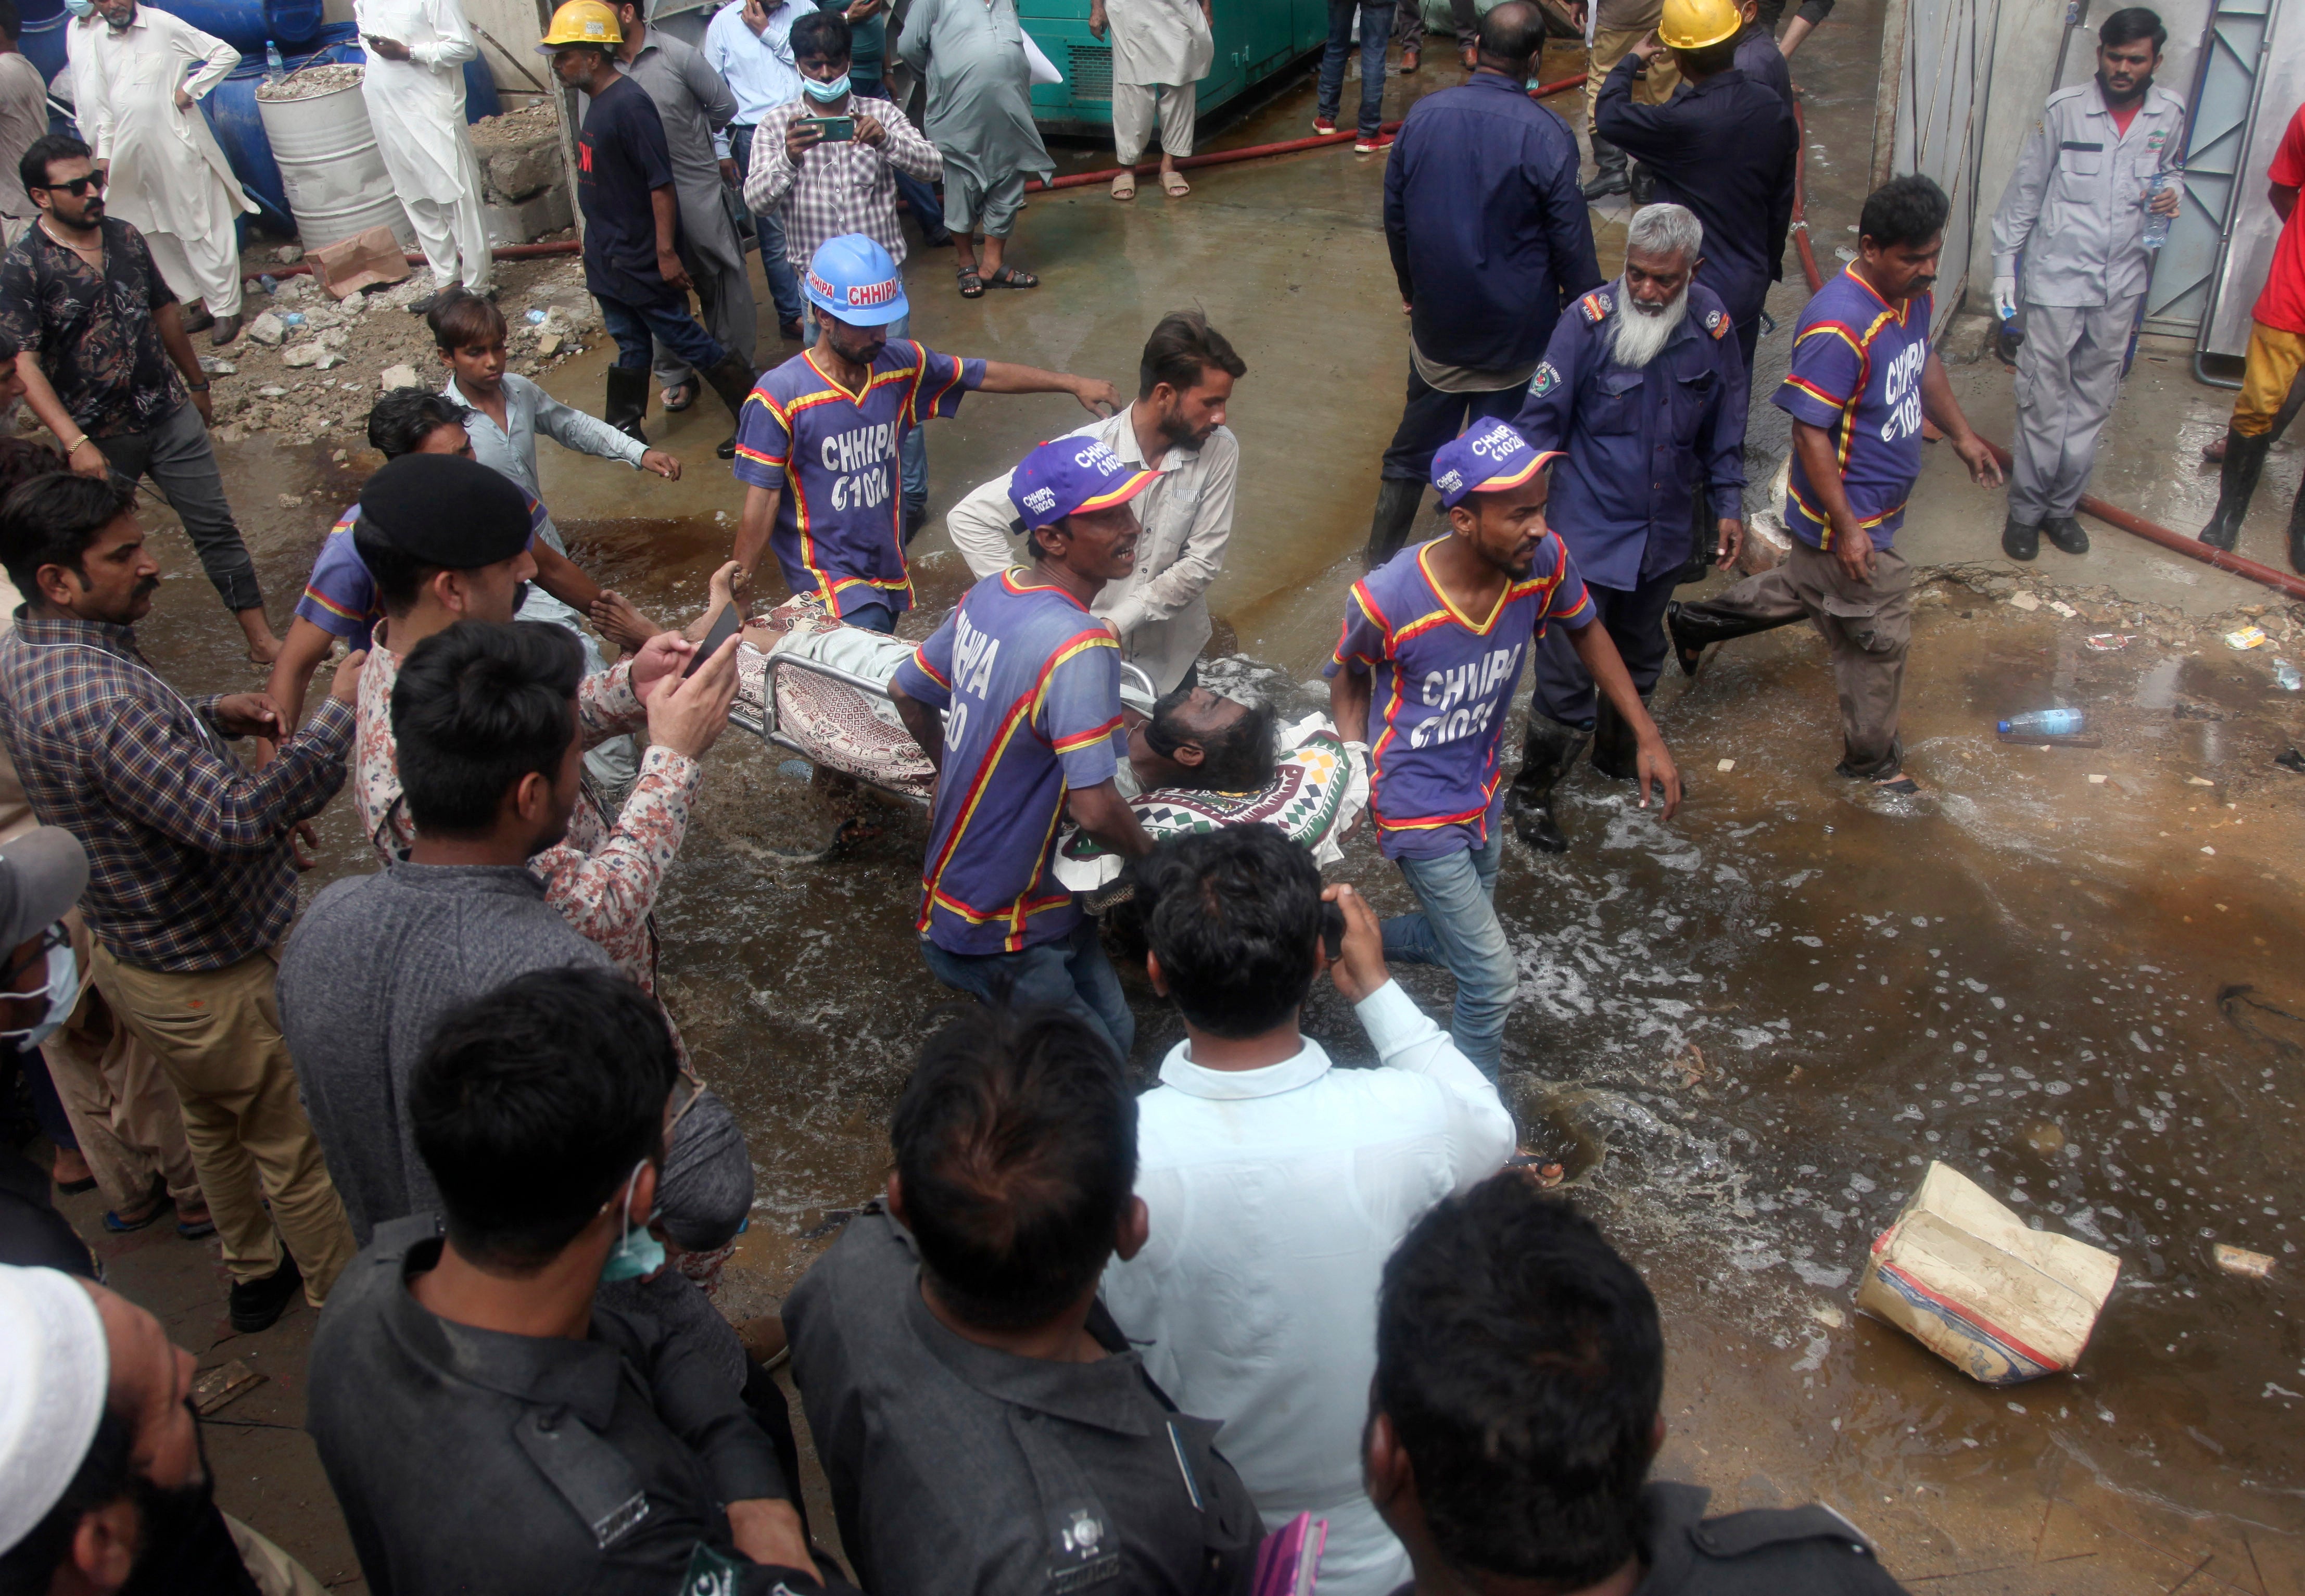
(2004, 297)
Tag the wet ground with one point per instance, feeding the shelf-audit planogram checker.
(1745, 1033)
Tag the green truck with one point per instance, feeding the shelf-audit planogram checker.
(1255, 40)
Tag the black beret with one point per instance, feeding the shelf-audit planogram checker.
(445, 510)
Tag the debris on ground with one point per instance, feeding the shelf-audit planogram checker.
(1964, 1276)
(224, 1384)
(2105, 642)
(2247, 637)
(2241, 1261)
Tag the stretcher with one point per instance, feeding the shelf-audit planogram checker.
(840, 719)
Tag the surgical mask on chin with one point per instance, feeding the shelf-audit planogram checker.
(637, 1252)
(825, 93)
(62, 992)
(80, 8)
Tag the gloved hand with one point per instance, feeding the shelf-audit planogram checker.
(2004, 297)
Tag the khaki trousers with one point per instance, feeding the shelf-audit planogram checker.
(120, 1106)
(217, 1035)
(1132, 118)
(1866, 625)
(2275, 355)
(1613, 45)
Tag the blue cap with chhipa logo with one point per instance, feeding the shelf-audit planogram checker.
(851, 279)
(1066, 476)
(1489, 459)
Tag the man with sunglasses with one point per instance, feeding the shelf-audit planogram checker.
(108, 367)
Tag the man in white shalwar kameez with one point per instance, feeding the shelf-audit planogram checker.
(1163, 48)
(414, 87)
(165, 175)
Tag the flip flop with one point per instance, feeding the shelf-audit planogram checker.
(117, 1225)
(686, 391)
(972, 286)
(1124, 186)
(1901, 784)
(192, 1230)
(74, 1188)
(1173, 184)
(1008, 277)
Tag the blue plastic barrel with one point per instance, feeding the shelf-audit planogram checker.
(246, 24)
(232, 113)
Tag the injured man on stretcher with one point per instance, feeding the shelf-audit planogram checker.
(1193, 759)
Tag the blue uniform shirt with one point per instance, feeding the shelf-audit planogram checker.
(1032, 681)
(1489, 233)
(1725, 149)
(1442, 683)
(838, 532)
(1856, 372)
(1640, 442)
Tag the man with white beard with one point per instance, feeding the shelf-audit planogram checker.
(1643, 389)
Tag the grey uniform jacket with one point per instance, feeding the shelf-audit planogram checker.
(2076, 203)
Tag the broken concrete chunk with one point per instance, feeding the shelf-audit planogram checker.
(267, 329)
(227, 1382)
(1968, 1279)
(304, 354)
(550, 344)
(335, 337)
(2239, 1261)
(403, 376)
(2024, 600)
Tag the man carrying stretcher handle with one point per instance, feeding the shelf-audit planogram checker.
(1032, 681)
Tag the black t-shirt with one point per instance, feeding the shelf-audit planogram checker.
(621, 156)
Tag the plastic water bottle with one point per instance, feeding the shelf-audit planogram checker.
(2043, 723)
(2156, 225)
(275, 69)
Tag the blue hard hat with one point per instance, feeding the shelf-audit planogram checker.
(851, 279)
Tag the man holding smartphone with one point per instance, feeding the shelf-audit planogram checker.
(827, 166)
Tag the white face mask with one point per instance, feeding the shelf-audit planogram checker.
(80, 8)
(61, 992)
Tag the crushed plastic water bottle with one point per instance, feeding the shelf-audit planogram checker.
(2043, 723)
(535, 317)
(270, 285)
(2289, 677)
(292, 318)
(2156, 225)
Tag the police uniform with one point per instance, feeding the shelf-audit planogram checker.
(1649, 450)
(2074, 211)
(1763, 1552)
(1725, 149)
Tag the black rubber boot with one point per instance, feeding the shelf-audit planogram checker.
(1612, 171)
(2019, 541)
(1397, 500)
(2297, 533)
(1549, 754)
(1692, 635)
(2065, 534)
(2244, 463)
(1616, 751)
(628, 396)
(733, 380)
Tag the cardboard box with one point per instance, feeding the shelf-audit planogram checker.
(351, 264)
(1969, 1280)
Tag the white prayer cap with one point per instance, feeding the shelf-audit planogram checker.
(58, 1369)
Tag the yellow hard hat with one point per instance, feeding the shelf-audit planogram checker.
(582, 23)
(1691, 24)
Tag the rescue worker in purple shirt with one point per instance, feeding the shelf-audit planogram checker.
(1425, 674)
(1643, 389)
(1029, 683)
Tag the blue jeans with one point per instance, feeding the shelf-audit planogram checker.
(1070, 974)
(913, 453)
(874, 616)
(1460, 930)
(667, 322)
(920, 198)
(1376, 27)
(784, 283)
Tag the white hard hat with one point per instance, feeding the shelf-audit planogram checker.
(58, 1368)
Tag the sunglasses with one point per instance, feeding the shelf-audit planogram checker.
(78, 186)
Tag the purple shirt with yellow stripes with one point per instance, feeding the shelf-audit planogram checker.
(1032, 683)
(340, 595)
(1443, 683)
(1856, 372)
(839, 528)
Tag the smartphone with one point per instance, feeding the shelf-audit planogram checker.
(729, 622)
(1332, 930)
(833, 130)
